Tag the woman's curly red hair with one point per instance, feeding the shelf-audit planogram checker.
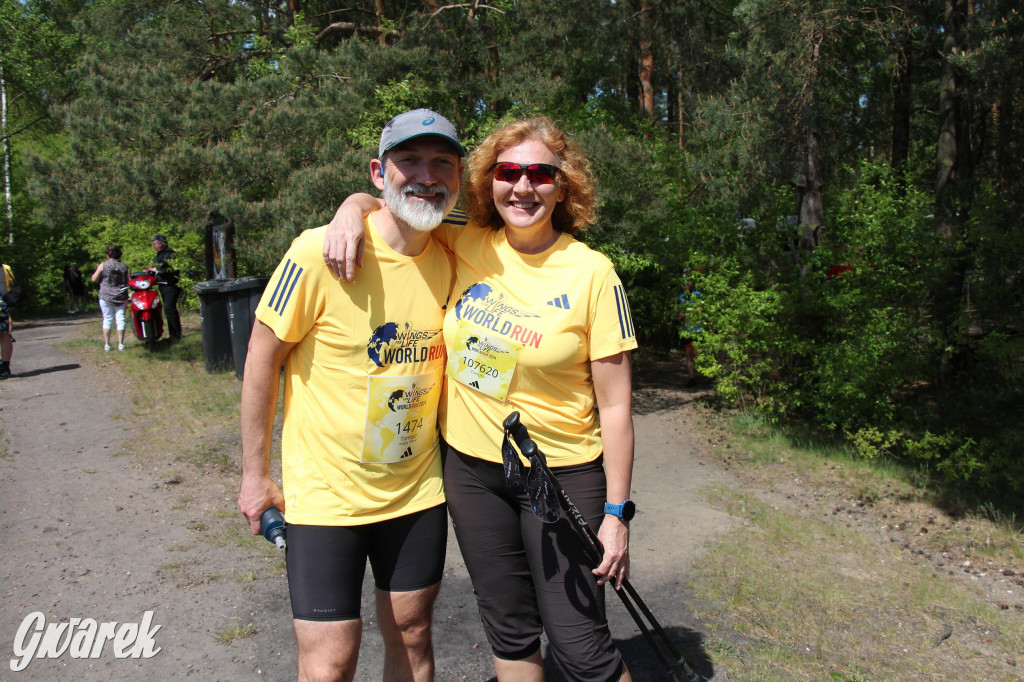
(579, 208)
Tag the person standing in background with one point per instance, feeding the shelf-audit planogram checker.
(74, 289)
(6, 340)
(112, 276)
(691, 324)
(169, 290)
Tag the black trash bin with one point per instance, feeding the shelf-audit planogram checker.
(216, 327)
(243, 296)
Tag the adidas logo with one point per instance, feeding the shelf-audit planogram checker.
(407, 453)
(475, 384)
(560, 302)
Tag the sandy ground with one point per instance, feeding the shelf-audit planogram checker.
(90, 531)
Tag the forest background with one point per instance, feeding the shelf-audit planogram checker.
(840, 180)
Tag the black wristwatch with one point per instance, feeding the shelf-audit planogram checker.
(624, 511)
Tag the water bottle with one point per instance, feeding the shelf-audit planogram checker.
(273, 527)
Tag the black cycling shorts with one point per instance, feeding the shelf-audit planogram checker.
(326, 564)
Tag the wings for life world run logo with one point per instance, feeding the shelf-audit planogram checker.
(481, 306)
(389, 345)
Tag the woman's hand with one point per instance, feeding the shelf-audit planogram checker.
(614, 537)
(344, 243)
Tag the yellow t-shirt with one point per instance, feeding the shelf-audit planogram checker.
(8, 275)
(359, 440)
(520, 333)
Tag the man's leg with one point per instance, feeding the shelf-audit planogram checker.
(328, 650)
(404, 619)
(6, 349)
(170, 294)
(6, 341)
(325, 578)
(407, 557)
(691, 365)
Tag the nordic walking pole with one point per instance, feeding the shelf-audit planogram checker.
(541, 486)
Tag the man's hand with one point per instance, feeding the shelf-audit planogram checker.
(258, 494)
(614, 537)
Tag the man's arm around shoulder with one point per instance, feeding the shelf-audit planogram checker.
(260, 388)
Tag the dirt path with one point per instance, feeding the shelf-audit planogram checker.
(93, 532)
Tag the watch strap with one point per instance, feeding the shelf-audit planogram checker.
(616, 509)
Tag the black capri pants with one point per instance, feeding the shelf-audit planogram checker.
(530, 576)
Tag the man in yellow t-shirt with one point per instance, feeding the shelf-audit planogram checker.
(363, 369)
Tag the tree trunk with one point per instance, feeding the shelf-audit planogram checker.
(680, 104)
(645, 58)
(1003, 121)
(953, 170)
(810, 207)
(949, 122)
(378, 10)
(8, 205)
(901, 104)
(646, 79)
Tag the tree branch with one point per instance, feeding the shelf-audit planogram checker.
(352, 27)
(37, 119)
(472, 5)
(305, 81)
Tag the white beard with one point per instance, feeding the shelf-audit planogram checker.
(420, 216)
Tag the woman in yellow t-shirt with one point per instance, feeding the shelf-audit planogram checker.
(541, 325)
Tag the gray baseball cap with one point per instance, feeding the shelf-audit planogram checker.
(416, 123)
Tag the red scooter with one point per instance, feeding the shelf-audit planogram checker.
(147, 309)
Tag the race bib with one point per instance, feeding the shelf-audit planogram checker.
(401, 419)
(483, 363)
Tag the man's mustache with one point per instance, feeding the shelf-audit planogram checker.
(428, 190)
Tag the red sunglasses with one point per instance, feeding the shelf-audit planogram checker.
(536, 173)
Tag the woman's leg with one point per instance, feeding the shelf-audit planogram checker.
(572, 605)
(119, 315)
(108, 320)
(487, 525)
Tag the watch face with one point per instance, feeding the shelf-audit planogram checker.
(628, 510)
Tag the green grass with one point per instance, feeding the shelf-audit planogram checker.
(776, 461)
(188, 418)
(235, 632)
(786, 597)
(796, 593)
(170, 386)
